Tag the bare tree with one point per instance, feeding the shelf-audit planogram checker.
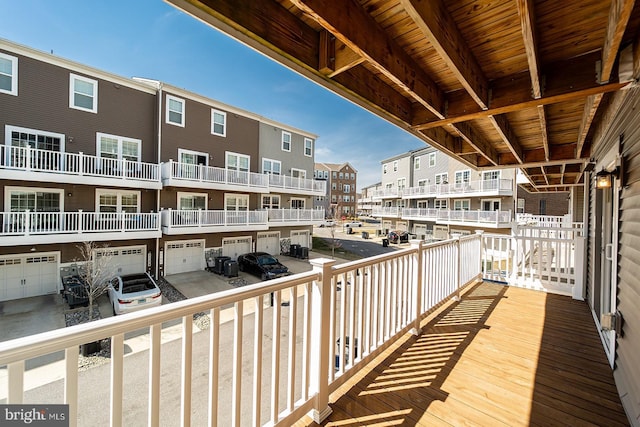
(334, 243)
(96, 271)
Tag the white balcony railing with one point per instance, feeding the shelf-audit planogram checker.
(386, 211)
(428, 214)
(46, 223)
(386, 193)
(271, 364)
(496, 218)
(421, 191)
(502, 187)
(295, 215)
(221, 219)
(174, 173)
(27, 159)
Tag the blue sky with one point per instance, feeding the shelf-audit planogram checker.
(149, 38)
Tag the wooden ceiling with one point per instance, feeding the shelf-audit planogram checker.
(494, 83)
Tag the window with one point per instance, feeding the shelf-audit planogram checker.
(353, 176)
(272, 167)
(236, 202)
(308, 147)
(83, 93)
(108, 201)
(175, 111)
(490, 204)
(463, 176)
(395, 166)
(298, 173)
(422, 183)
(192, 201)
(345, 198)
(384, 169)
(23, 137)
(341, 175)
(118, 147)
(334, 174)
(353, 198)
(326, 174)
(189, 157)
(8, 74)
(461, 205)
(297, 203)
(440, 204)
(286, 141)
(333, 198)
(340, 186)
(270, 201)
(402, 182)
(521, 205)
(389, 186)
(237, 162)
(416, 163)
(347, 188)
(442, 178)
(490, 180)
(422, 204)
(334, 186)
(34, 199)
(218, 123)
(432, 159)
(543, 207)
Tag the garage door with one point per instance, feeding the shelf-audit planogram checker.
(268, 242)
(402, 226)
(184, 256)
(234, 246)
(300, 237)
(386, 226)
(28, 275)
(125, 259)
(420, 230)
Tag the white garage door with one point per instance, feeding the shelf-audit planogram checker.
(402, 226)
(28, 275)
(234, 246)
(184, 256)
(268, 242)
(420, 230)
(300, 237)
(386, 226)
(125, 259)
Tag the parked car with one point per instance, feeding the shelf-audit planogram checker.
(328, 223)
(352, 224)
(262, 264)
(398, 237)
(133, 292)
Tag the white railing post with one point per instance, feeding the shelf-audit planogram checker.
(458, 275)
(199, 217)
(417, 285)
(28, 163)
(27, 222)
(123, 173)
(579, 257)
(81, 163)
(480, 233)
(123, 215)
(319, 357)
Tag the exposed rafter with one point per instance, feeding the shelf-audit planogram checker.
(527, 23)
(619, 14)
(501, 124)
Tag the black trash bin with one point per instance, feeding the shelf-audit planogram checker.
(303, 252)
(293, 250)
(231, 268)
(349, 230)
(365, 234)
(218, 267)
(385, 243)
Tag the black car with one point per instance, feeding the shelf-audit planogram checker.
(262, 264)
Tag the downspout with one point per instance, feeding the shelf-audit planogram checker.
(159, 124)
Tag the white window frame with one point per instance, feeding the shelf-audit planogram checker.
(120, 140)
(264, 170)
(213, 122)
(444, 178)
(298, 199)
(271, 204)
(402, 183)
(8, 190)
(347, 188)
(482, 201)
(182, 194)
(353, 176)
(237, 196)
(182, 151)
(168, 110)
(422, 182)
(309, 148)
(461, 174)
(9, 129)
(486, 173)
(119, 193)
(239, 156)
(284, 141)
(432, 159)
(416, 163)
(94, 95)
(302, 173)
(458, 204)
(334, 174)
(441, 204)
(384, 169)
(395, 166)
(14, 74)
(422, 204)
(326, 174)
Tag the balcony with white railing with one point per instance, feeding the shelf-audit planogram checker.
(212, 221)
(29, 228)
(30, 164)
(481, 188)
(290, 217)
(421, 192)
(386, 211)
(177, 174)
(416, 319)
(420, 214)
(485, 219)
(386, 193)
(295, 185)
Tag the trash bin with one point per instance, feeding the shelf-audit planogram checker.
(231, 268)
(218, 267)
(385, 243)
(365, 234)
(349, 230)
(303, 252)
(293, 250)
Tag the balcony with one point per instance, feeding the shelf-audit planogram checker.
(485, 219)
(386, 211)
(429, 343)
(421, 192)
(482, 188)
(212, 221)
(208, 177)
(291, 217)
(420, 214)
(30, 164)
(30, 228)
(387, 193)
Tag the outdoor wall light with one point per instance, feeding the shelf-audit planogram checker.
(604, 179)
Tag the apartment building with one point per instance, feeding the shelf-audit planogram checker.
(155, 174)
(366, 203)
(340, 199)
(427, 193)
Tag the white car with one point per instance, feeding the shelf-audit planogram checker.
(328, 223)
(352, 224)
(133, 292)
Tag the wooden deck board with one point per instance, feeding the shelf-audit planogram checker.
(501, 356)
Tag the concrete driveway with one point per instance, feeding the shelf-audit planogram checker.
(28, 316)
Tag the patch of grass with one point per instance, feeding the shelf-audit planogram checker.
(322, 245)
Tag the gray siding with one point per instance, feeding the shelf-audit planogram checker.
(271, 148)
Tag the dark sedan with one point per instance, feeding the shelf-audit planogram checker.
(262, 264)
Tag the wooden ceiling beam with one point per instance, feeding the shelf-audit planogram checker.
(502, 126)
(619, 14)
(484, 148)
(527, 24)
(565, 81)
(544, 133)
(436, 24)
(356, 29)
(345, 59)
(590, 108)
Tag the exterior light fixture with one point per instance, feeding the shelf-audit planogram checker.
(604, 179)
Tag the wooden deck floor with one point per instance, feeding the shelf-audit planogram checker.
(501, 357)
